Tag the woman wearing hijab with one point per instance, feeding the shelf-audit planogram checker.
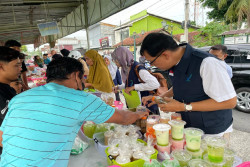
(99, 76)
(124, 59)
(114, 72)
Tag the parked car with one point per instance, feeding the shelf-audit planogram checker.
(239, 59)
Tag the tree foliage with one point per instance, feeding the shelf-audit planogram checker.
(210, 34)
(216, 13)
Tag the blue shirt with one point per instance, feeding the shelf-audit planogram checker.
(42, 123)
(46, 61)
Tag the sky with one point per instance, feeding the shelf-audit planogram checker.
(172, 9)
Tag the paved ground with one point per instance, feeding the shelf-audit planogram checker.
(240, 138)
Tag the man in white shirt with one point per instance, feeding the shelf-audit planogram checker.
(220, 51)
(202, 90)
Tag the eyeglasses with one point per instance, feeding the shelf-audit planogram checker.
(157, 57)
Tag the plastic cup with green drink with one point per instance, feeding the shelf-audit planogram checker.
(177, 127)
(193, 138)
(215, 148)
(162, 134)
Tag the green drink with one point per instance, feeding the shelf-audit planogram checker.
(89, 129)
(195, 154)
(213, 164)
(177, 127)
(229, 157)
(215, 148)
(203, 147)
(193, 138)
(162, 134)
(182, 156)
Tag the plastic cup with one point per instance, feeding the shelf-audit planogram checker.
(215, 148)
(198, 163)
(213, 164)
(162, 134)
(203, 147)
(177, 127)
(163, 148)
(164, 119)
(229, 157)
(89, 129)
(151, 121)
(182, 156)
(175, 116)
(177, 144)
(195, 154)
(193, 138)
(143, 109)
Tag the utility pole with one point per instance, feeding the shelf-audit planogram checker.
(121, 31)
(186, 19)
(195, 11)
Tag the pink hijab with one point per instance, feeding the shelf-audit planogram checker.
(125, 58)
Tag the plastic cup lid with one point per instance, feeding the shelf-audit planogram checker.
(198, 163)
(215, 141)
(193, 131)
(177, 123)
(181, 155)
(161, 127)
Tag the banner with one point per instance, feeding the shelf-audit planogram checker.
(48, 28)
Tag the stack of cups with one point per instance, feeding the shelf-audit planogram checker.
(177, 132)
(162, 137)
(193, 142)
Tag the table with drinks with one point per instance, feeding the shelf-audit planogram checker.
(166, 143)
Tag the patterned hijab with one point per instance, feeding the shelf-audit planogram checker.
(125, 58)
(112, 66)
(99, 75)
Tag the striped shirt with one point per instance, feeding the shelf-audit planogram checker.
(42, 123)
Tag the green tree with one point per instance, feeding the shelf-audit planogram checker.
(24, 48)
(239, 8)
(210, 34)
(216, 13)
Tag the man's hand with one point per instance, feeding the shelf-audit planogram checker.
(172, 105)
(145, 100)
(129, 89)
(141, 114)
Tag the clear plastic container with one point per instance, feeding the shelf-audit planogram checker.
(198, 163)
(193, 138)
(162, 134)
(182, 156)
(213, 164)
(122, 159)
(215, 148)
(177, 127)
(229, 155)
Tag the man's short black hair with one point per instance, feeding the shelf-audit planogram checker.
(56, 56)
(60, 68)
(223, 48)
(12, 43)
(45, 54)
(155, 43)
(65, 52)
(8, 54)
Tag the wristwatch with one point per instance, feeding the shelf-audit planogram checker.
(188, 107)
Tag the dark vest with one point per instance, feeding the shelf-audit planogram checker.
(188, 87)
(133, 79)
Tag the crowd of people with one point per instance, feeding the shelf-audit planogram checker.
(39, 125)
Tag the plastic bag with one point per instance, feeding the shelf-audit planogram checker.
(79, 146)
(170, 163)
(152, 163)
